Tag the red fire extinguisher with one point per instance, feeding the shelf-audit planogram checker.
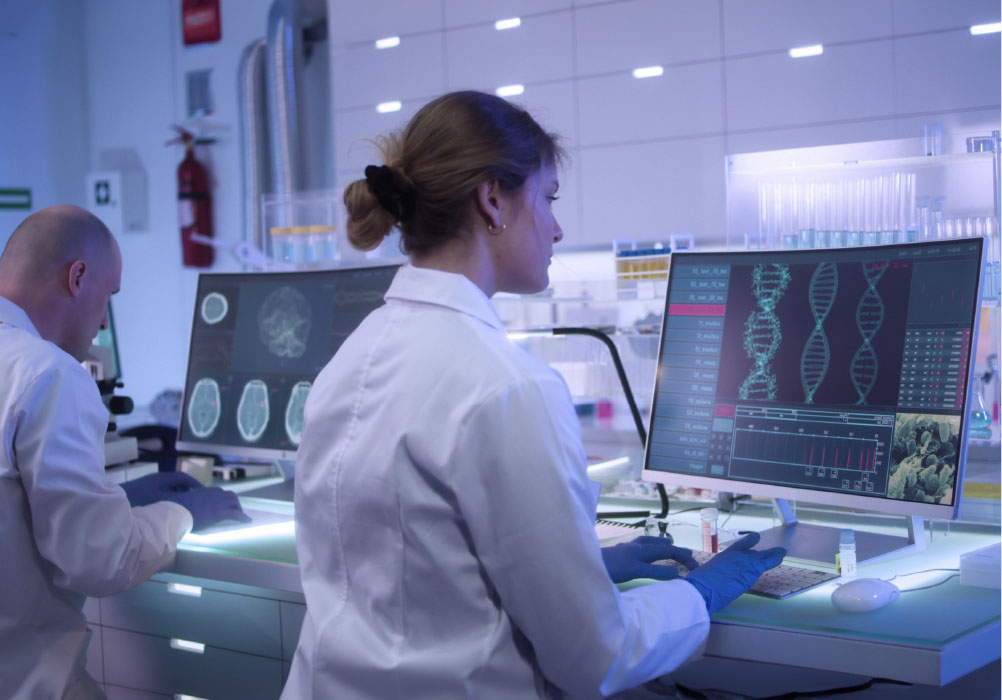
(194, 204)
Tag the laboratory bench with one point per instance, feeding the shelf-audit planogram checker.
(224, 620)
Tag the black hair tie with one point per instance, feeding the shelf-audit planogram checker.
(397, 200)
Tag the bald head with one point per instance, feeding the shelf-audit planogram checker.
(60, 265)
(50, 239)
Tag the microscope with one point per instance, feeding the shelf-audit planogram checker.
(101, 365)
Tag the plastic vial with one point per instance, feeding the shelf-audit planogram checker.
(847, 554)
(708, 526)
(650, 526)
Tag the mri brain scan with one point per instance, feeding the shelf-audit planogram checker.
(294, 421)
(253, 411)
(284, 323)
(204, 408)
(214, 308)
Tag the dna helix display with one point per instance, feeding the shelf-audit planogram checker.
(762, 334)
(816, 355)
(869, 318)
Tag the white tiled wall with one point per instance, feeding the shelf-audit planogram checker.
(648, 155)
(849, 82)
(777, 25)
(947, 71)
(365, 76)
(540, 50)
(621, 36)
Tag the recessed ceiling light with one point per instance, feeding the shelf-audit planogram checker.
(992, 28)
(509, 23)
(391, 106)
(648, 72)
(509, 90)
(388, 42)
(804, 51)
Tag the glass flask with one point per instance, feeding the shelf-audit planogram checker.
(981, 417)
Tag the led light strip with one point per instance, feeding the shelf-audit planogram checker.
(287, 527)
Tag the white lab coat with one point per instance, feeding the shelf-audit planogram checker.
(66, 531)
(445, 522)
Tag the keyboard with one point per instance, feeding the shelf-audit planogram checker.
(780, 582)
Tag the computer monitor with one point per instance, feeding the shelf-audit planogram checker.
(104, 353)
(837, 376)
(258, 340)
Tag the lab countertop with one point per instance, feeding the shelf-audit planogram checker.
(929, 636)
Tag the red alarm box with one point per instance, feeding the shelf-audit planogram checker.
(200, 20)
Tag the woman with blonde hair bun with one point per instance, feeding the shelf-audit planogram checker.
(445, 520)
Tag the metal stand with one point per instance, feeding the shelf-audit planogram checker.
(625, 383)
(818, 544)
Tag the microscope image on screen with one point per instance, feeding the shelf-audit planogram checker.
(924, 458)
(779, 341)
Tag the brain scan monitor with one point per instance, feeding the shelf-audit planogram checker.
(258, 341)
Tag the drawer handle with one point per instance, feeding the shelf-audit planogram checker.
(185, 645)
(184, 589)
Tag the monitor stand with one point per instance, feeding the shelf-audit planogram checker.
(818, 544)
(283, 490)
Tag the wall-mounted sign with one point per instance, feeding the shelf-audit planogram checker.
(15, 198)
(201, 21)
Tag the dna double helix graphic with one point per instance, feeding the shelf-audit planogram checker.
(762, 334)
(869, 319)
(816, 355)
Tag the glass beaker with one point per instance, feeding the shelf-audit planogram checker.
(932, 139)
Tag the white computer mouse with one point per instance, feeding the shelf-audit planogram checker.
(864, 595)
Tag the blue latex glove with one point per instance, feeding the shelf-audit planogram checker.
(733, 571)
(629, 560)
(158, 487)
(210, 505)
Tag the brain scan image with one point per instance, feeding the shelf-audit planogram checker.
(284, 323)
(294, 421)
(252, 411)
(204, 407)
(214, 308)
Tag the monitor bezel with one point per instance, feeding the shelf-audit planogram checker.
(830, 498)
(267, 454)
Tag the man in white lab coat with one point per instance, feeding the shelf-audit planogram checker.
(66, 531)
